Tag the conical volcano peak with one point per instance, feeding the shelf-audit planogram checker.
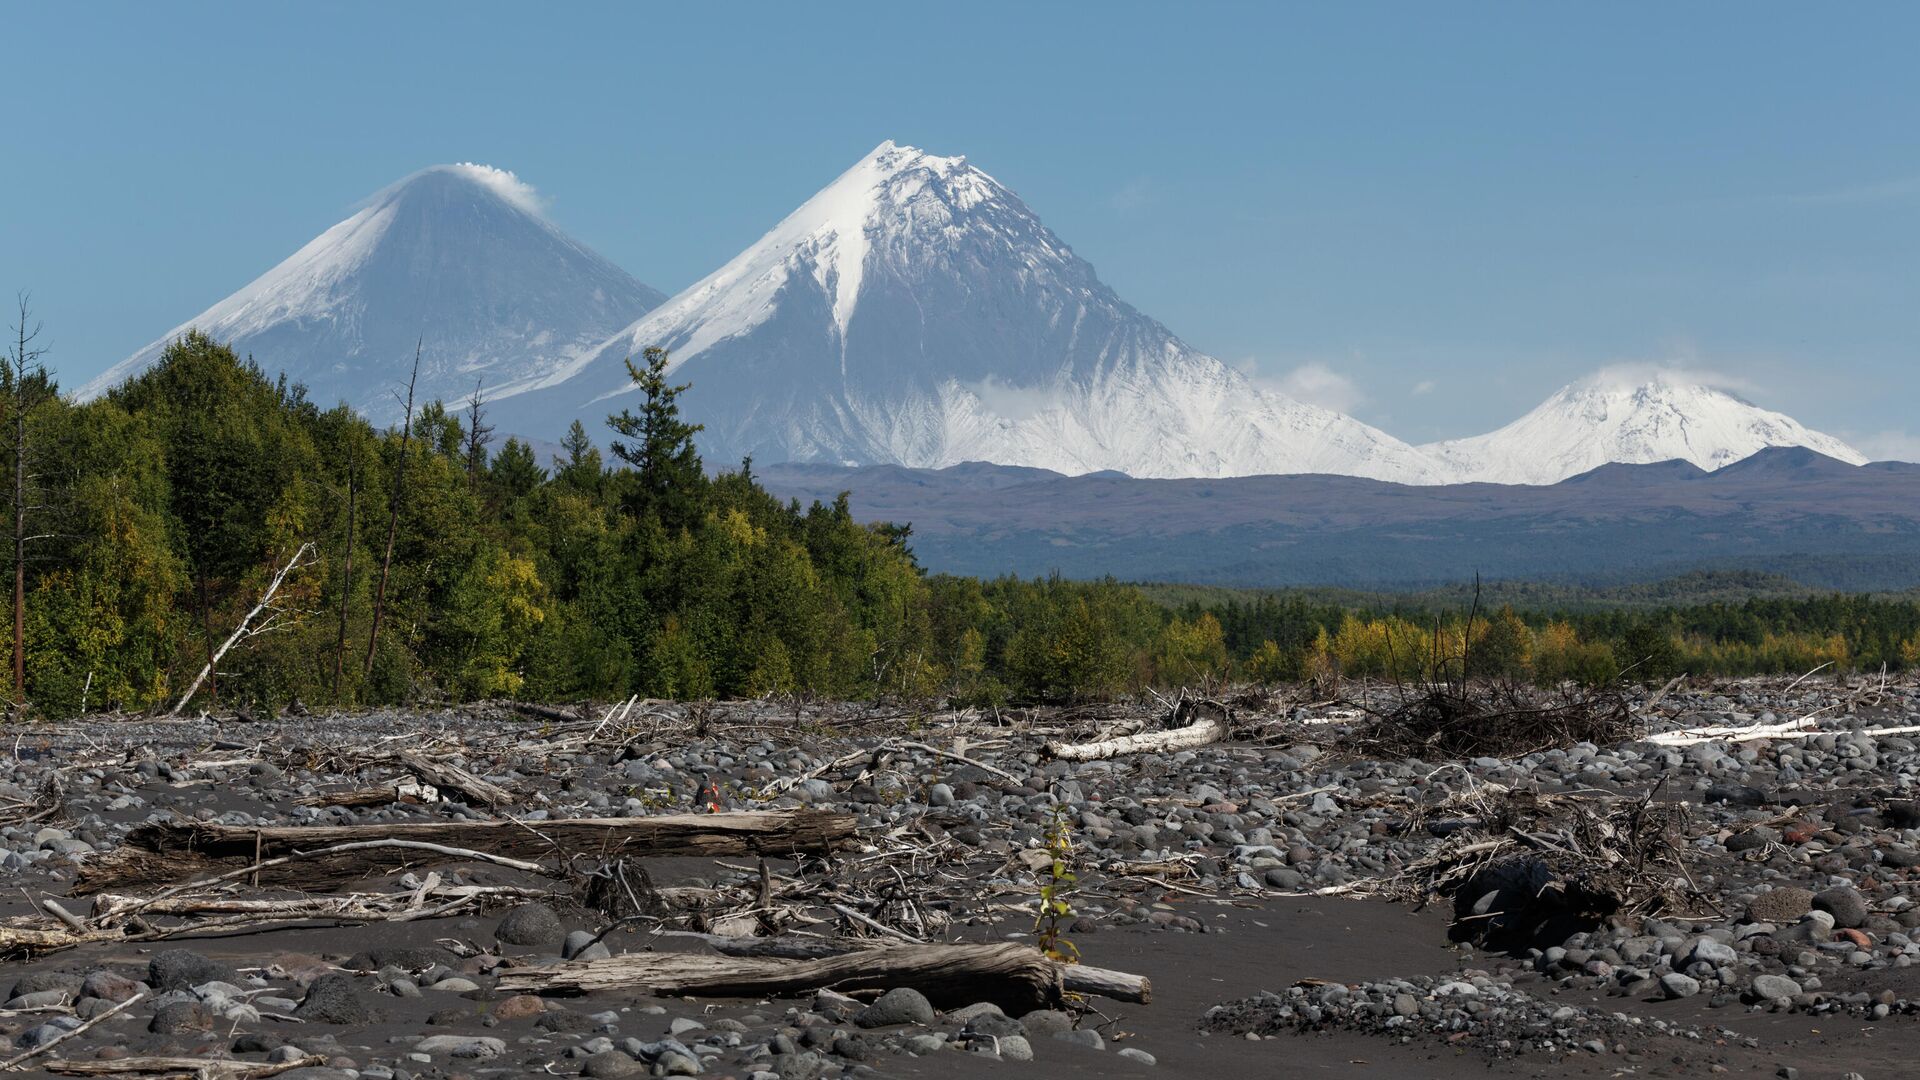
(465, 178)
(457, 258)
(916, 311)
(887, 180)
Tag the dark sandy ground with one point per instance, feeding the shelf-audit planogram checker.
(1256, 823)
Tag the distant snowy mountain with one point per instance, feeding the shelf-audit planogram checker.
(457, 256)
(916, 312)
(1611, 419)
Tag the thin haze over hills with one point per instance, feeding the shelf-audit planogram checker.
(915, 311)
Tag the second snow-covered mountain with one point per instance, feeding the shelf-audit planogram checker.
(915, 311)
(1620, 418)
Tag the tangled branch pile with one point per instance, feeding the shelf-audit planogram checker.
(1527, 865)
(1459, 719)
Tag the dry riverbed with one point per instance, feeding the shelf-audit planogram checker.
(1267, 887)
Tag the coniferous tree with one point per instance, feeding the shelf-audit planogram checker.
(667, 477)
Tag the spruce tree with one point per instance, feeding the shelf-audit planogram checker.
(668, 480)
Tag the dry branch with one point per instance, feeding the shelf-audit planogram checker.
(17, 1060)
(167, 852)
(126, 918)
(1010, 975)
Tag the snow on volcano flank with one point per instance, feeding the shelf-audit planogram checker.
(1632, 417)
(915, 311)
(457, 257)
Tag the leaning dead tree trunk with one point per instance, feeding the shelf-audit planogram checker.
(396, 499)
(245, 629)
(167, 852)
(1013, 976)
(1198, 733)
(22, 364)
(346, 571)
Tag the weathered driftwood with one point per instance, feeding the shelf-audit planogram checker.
(407, 791)
(1074, 978)
(126, 918)
(24, 942)
(200, 1068)
(20, 1059)
(1010, 975)
(1199, 733)
(167, 852)
(450, 777)
(544, 712)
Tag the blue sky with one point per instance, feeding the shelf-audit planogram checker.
(1431, 215)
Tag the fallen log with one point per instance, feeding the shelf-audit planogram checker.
(125, 918)
(161, 853)
(544, 712)
(202, 1068)
(450, 777)
(1011, 975)
(27, 942)
(1199, 733)
(1074, 978)
(394, 791)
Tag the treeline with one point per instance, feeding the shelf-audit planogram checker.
(1290, 637)
(424, 563)
(440, 567)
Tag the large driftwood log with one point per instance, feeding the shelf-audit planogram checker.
(210, 1068)
(26, 942)
(162, 853)
(1013, 976)
(1074, 978)
(1199, 733)
(449, 777)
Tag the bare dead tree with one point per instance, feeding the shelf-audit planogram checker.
(276, 619)
(393, 515)
(22, 365)
(479, 436)
(346, 572)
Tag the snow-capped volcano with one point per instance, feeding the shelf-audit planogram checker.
(456, 257)
(1614, 417)
(915, 311)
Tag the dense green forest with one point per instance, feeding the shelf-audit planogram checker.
(425, 563)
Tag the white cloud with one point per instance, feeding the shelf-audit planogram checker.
(1888, 445)
(1011, 402)
(1423, 388)
(503, 183)
(1317, 384)
(1628, 375)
